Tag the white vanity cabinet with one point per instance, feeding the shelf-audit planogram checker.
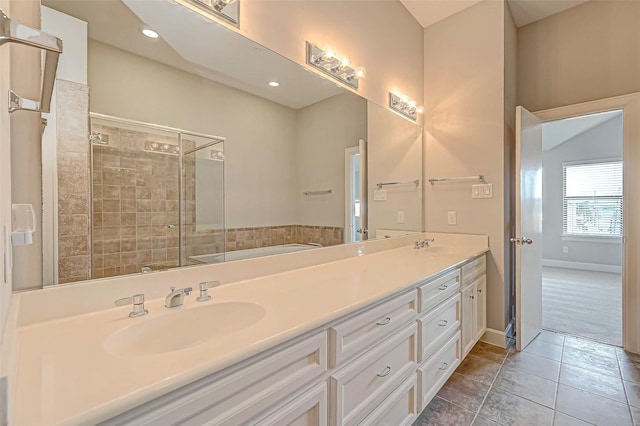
(473, 302)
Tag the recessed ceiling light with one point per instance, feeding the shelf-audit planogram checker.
(274, 84)
(149, 33)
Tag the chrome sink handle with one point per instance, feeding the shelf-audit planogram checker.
(138, 305)
(204, 288)
(175, 299)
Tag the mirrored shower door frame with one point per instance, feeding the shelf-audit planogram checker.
(50, 199)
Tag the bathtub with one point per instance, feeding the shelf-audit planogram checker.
(250, 253)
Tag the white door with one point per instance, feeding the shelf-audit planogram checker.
(528, 237)
(355, 166)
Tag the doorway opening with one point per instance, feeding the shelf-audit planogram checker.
(582, 230)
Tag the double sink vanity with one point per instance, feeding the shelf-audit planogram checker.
(356, 334)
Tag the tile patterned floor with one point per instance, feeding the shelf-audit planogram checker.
(557, 380)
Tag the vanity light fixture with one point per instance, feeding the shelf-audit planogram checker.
(149, 33)
(338, 68)
(274, 84)
(405, 106)
(229, 10)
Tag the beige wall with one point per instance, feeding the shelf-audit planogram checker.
(260, 135)
(394, 154)
(465, 133)
(589, 52)
(380, 35)
(323, 131)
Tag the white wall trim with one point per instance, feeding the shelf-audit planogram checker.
(582, 265)
(496, 337)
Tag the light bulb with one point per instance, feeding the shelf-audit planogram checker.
(274, 84)
(344, 63)
(420, 110)
(329, 55)
(360, 72)
(149, 33)
(404, 99)
(412, 104)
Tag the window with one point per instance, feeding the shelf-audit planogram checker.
(592, 199)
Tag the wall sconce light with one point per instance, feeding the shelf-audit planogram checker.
(229, 10)
(338, 68)
(405, 106)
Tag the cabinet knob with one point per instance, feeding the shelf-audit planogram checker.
(472, 297)
(479, 290)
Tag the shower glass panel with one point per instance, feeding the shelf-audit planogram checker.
(203, 200)
(158, 197)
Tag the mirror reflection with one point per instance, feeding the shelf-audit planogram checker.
(203, 146)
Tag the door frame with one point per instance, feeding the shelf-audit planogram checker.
(348, 193)
(630, 106)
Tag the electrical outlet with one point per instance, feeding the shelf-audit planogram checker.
(379, 195)
(484, 190)
(565, 249)
(452, 218)
(400, 216)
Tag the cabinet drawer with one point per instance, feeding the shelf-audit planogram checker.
(309, 409)
(242, 397)
(474, 268)
(364, 383)
(368, 328)
(398, 409)
(438, 290)
(435, 372)
(437, 326)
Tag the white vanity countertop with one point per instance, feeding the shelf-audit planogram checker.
(65, 375)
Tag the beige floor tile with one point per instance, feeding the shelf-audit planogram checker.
(440, 412)
(551, 337)
(590, 345)
(591, 408)
(593, 361)
(635, 414)
(483, 421)
(590, 381)
(464, 392)
(508, 409)
(492, 352)
(528, 386)
(624, 356)
(562, 419)
(534, 364)
(633, 393)
(545, 349)
(479, 368)
(630, 371)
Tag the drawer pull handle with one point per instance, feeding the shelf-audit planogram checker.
(444, 366)
(443, 323)
(386, 372)
(385, 321)
(443, 287)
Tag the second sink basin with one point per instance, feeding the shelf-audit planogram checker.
(181, 329)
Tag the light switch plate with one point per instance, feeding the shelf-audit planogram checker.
(380, 195)
(452, 218)
(484, 190)
(400, 216)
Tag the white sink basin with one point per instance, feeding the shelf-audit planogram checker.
(181, 329)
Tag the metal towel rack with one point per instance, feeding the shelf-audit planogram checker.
(324, 191)
(12, 31)
(414, 182)
(455, 179)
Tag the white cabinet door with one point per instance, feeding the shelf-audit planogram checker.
(468, 314)
(481, 306)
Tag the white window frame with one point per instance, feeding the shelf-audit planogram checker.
(594, 238)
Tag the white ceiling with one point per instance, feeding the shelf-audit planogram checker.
(428, 12)
(557, 132)
(208, 50)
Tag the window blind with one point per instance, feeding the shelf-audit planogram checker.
(592, 199)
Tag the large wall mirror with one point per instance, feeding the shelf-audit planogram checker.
(201, 146)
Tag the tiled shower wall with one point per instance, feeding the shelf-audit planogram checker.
(73, 171)
(135, 203)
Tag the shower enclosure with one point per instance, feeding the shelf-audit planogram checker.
(157, 196)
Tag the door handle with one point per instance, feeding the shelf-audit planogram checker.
(521, 240)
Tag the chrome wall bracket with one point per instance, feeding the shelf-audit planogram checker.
(12, 31)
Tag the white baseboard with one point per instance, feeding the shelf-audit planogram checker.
(495, 337)
(581, 265)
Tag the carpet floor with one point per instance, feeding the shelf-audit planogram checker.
(583, 303)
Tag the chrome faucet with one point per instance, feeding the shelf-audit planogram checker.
(138, 305)
(175, 299)
(424, 243)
